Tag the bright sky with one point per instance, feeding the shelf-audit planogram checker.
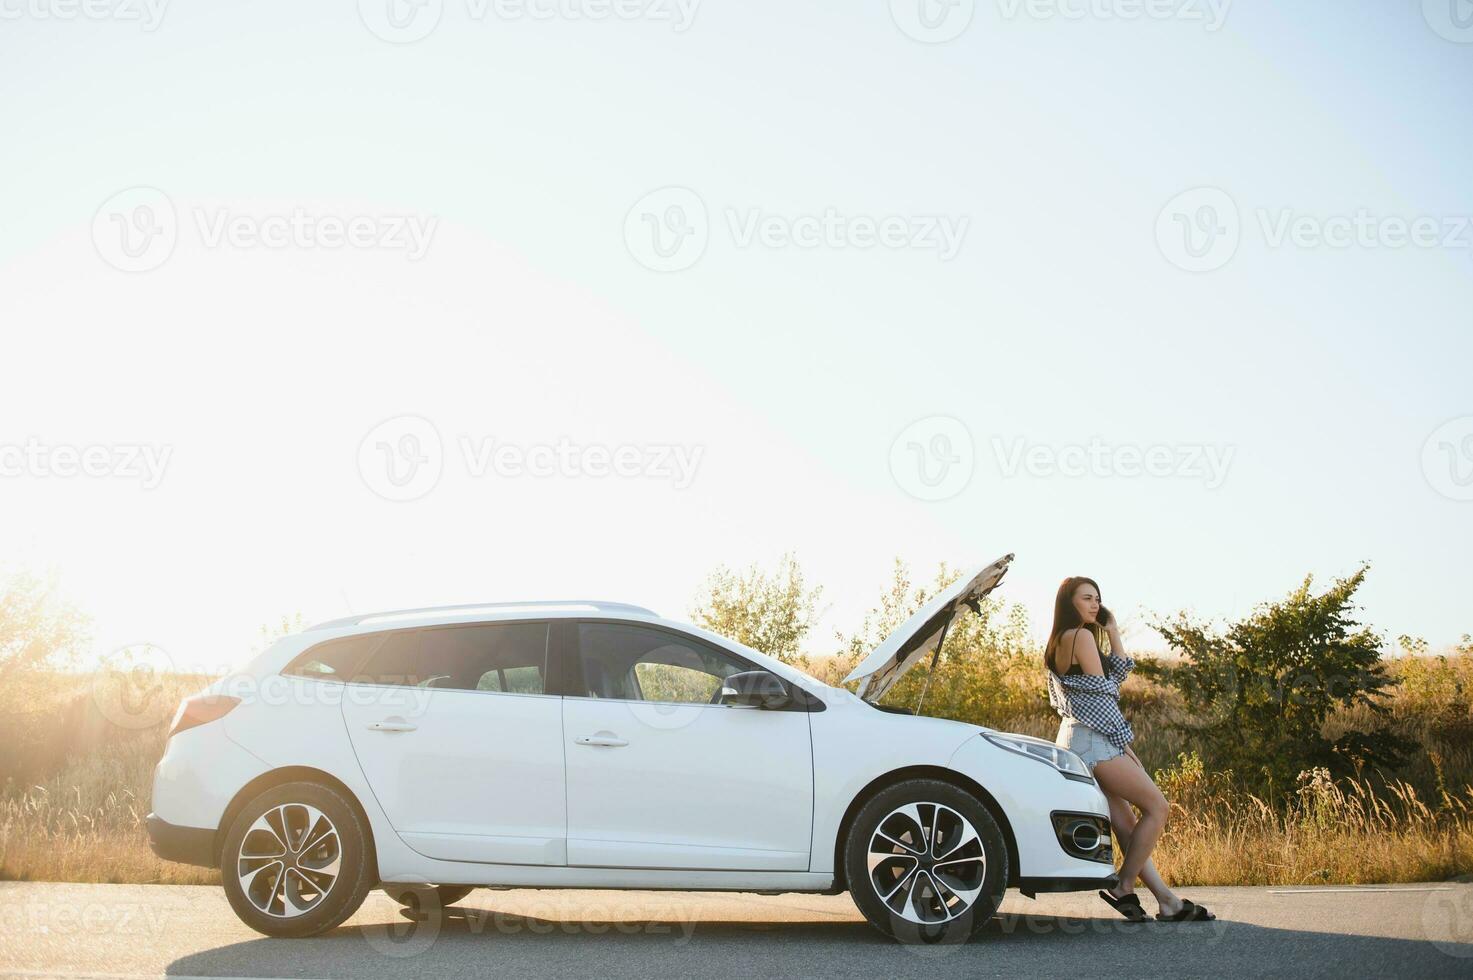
(1184, 309)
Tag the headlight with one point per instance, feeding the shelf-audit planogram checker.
(1066, 762)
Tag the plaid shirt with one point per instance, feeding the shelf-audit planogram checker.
(1094, 700)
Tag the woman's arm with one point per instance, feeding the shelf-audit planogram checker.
(1112, 627)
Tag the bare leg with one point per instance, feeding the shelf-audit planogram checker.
(1122, 818)
(1123, 777)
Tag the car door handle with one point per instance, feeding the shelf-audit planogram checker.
(391, 726)
(611, 741)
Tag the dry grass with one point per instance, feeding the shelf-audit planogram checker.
(69, 837)
(76, 787)
(83, 820)
(1345, 832)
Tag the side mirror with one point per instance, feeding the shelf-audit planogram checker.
(755, 689)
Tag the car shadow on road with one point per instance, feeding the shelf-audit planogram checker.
(472, 940)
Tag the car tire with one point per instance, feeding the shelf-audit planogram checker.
(419, 897)
(926, 862)
(297, 861)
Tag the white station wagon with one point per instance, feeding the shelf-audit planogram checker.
(597, 745)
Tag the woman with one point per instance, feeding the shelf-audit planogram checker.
(1084, 688)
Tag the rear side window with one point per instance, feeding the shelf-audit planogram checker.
(335, 660)
(507, 658)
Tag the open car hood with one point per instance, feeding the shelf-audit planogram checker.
(924, 632)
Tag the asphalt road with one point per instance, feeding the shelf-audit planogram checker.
(153, 930)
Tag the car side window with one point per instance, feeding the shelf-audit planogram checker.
(334, 660)
(508, 658)
(636, 663)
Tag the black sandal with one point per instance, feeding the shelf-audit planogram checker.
(1128, 906)
(1190, 911)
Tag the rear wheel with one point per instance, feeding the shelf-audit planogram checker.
(296, 861)
(926, 862)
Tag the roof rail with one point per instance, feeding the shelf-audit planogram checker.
(569, 605)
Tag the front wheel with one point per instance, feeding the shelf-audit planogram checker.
(296, 861)
(926, 862)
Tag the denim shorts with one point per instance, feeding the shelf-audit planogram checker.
(1086, 742)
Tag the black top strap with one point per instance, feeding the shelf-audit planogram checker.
(1074, 663)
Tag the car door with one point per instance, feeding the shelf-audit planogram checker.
(461, 743)
(659, 777)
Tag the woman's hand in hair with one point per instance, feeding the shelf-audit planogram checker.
(1112, 627)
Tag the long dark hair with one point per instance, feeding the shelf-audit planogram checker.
(1066, 617)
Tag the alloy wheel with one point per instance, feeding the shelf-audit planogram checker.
(927, 863)
(289, 860)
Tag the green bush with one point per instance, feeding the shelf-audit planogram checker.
(1260, 691)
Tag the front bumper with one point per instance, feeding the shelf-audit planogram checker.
(1043, 808)
(187, 845)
